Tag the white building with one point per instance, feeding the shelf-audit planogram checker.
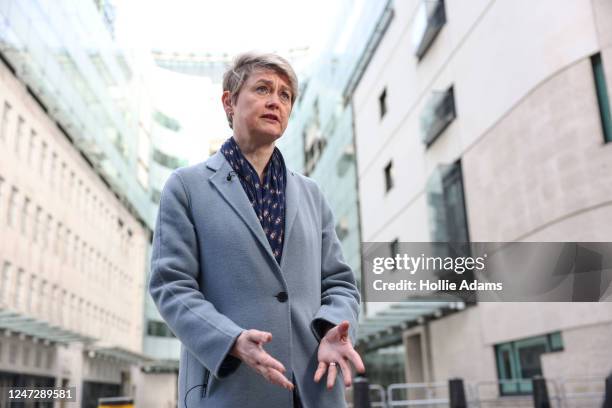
(506, 102)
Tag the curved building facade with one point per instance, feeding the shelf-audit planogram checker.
(508, 103)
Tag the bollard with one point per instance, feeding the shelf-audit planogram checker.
(456, 392)
(361, 392)
(540, 393)
(608, 397)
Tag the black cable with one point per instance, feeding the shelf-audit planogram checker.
(187, 393)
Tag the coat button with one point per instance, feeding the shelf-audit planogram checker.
(282, 297)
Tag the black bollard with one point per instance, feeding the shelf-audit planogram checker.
(608, 397)
(456, 392)
(361, 392)
(540, 393)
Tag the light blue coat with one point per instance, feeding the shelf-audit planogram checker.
(213, 275)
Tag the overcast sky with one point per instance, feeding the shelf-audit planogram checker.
(228, 26)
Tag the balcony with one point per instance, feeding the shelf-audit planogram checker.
(437, 115)
(429, 20)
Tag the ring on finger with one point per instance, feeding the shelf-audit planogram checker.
(332, 364)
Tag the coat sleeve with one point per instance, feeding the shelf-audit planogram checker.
(339, 293)
(175, 266)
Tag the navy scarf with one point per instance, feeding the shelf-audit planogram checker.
(267, 197)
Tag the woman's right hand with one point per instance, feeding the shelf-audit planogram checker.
(249, 348)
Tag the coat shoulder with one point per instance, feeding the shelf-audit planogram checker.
(306, 183)
(192, 174)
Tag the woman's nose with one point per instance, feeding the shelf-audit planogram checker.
(273, 100)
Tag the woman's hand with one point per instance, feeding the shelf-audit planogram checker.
(249, 349)
(335, 347)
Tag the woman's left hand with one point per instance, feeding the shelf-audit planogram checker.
(335, 347)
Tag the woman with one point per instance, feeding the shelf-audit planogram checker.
(247, 270)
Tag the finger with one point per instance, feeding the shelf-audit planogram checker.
(268, 361)
(344, 327)
(276, 377)
(332, 372)
(355, 359)
(346, 372)
(259, 336)
(320, 371)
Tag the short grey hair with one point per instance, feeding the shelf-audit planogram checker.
(245, 64)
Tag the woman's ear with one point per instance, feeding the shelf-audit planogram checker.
(226, 100)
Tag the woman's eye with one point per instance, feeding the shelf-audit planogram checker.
(261, 89)
(285, 96)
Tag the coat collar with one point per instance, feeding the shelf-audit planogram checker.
(234, 195)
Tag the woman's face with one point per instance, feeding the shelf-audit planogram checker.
(262, 107)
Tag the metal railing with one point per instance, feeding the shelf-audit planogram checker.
(571, 392)
(418, 395)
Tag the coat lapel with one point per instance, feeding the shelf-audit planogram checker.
(291, 209)
(235, 196)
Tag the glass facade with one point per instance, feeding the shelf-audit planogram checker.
(319, 140)
(64, 52)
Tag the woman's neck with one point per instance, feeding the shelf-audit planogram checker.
(256, 153)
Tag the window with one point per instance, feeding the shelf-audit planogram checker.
(66, 252)
(445, 199)
(5, 118)
(10, 220)
(37, 224)
(314, 141)
(31, 146)
(47, 231)
(166, 121)
(382, 103)
(53, 168)
(71, 185)
(520, 361)
(158, 329)
(25, 215)
(387, 365)
(43, 158)
(6, 278)
(18, 288)
(19, 135)
(57, 243)
(389, 176)
(30, 293)
(438, 114)
(167, 160)
(75, 251)
(429, 20)
(394, 247)
(602, 97)
(62, 178)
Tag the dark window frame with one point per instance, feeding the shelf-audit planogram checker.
(444, 112)
(603, 99)
(382, 103)
(435, 22)
(389, 184)
(512, 349)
